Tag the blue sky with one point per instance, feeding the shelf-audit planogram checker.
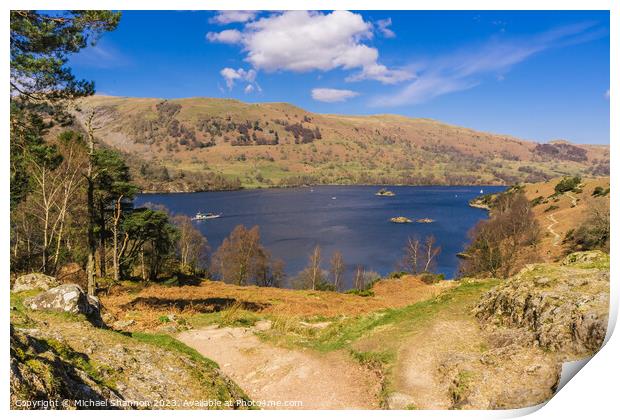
(534, 75)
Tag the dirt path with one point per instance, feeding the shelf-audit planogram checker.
(269, 373)
(556, 236)
(422, 355)
(573, 199)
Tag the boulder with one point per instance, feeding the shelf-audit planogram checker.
(66, 298)
(34, 281)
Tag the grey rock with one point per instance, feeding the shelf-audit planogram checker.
(119, 325)
(34, 281)
(68, 298)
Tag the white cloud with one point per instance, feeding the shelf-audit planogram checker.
(381, 73)
(225, 17)
(332, 95)
(249, 89)
(383, 28)
(302, 41)
(231, 75)
(465, 69)
(229, 36)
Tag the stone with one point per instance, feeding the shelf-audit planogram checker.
(68, 298)
(34, 281)
(119, 325)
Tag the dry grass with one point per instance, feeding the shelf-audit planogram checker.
(235, 302)
(569, 216)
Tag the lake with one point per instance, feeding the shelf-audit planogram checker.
(350, 219)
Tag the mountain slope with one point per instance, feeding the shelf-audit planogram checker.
(205, 143)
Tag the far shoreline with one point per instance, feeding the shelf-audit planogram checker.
(276, 187)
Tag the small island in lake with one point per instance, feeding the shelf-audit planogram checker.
(425, 220)
(400, 219)
(383, 192)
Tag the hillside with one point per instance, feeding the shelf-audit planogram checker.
(560, 213)
(203, 143)
(469, 344)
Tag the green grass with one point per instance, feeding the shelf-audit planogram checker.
(167, 342)
(343, 333)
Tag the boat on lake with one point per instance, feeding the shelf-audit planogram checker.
(206, 216)
(383, 192)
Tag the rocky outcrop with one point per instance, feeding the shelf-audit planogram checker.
(69, 364)
(34, 281)
(565, 307)
(47, 375)
(66, 298)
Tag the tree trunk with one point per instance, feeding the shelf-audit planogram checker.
(115, 256)
(92, 242)
(102, 250)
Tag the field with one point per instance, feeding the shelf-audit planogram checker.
(217, 302)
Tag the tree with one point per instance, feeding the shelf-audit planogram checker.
(411, 259)
(359, 282)
(242, 260)
(41, 83)
(112, 189)
(430, 253)
(314, 267)
(337, 268)
(567, 184)
(420, 257)
(40, 45)
(55, 187)
(501, 245)
(149, 241)
(192, 246)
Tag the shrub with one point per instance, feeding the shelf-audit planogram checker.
(431, 278)
(501, 245)
(538, 200)
(593, 233)
(567, 184)
(600, 192)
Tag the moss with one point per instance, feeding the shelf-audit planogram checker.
(169, 343)
(82, 362)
